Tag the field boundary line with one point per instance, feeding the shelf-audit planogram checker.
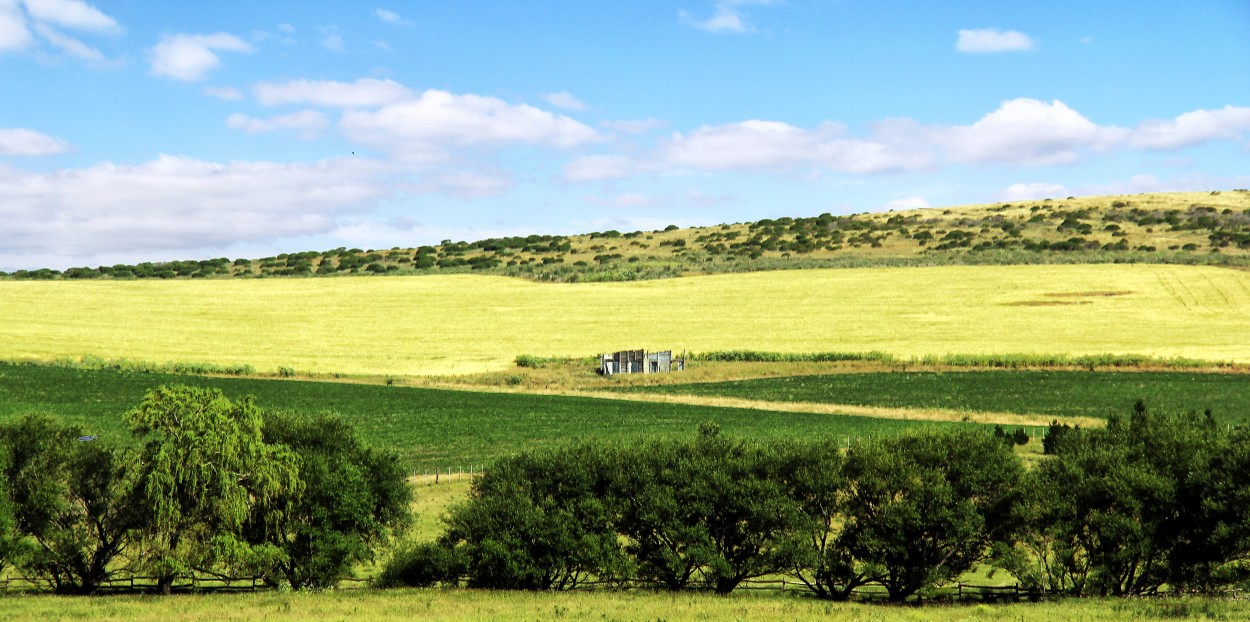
(854, 410)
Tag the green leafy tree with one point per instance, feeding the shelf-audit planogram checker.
(1152, 500)
(927, 507)
(541, 520)
(351, 502)
(814, 478)
(204, 468)
(715, 509)
(72, 503)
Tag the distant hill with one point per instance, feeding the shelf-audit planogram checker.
(1190, 227)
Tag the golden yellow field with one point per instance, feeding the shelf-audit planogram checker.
(468, 323)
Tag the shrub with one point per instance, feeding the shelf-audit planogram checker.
(423, 565)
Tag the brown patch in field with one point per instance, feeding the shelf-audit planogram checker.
(1047, 303)
(1093, 294)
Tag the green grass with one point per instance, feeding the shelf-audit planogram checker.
(435, 605)
(427, 427)
(1056, 393)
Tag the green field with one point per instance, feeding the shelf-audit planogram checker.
(427, 427)
(458, 324)
(1054, 393)
(447, 605)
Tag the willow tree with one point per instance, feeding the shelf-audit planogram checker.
(204, 468)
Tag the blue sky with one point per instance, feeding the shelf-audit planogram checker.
(134, 131)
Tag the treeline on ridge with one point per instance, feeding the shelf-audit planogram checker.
(1087, 229)
(1152, 503)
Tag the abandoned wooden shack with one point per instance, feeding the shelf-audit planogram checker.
(639, 362)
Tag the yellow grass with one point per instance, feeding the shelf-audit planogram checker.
(469, 323)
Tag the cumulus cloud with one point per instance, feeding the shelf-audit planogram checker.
(177, 203)
(1192, 128)
(363, 93)
(190, 57)
(14, 35)
(73, 14)
(565, 100)
(42, 16)
(465, 184)
(23, 142)
(1033, 191)
(991, 40)
(307, 124)
(1028, 132)
(773, 145)
(421, 130)
(1020, 132)
(69, 45)
(390, 17)
(908, 203)
(727, 16)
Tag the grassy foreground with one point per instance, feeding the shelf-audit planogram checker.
(468, 323)
(436, 605)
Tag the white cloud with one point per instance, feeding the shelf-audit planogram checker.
(391, 17)
(599, 167)
(189, 57)
(41, 15)
(421, 130)
(773, 145)
(73, 14)
(465, 184)
(1028, 132)
(224, 93)
(908, 203)
(363, 93)
(727, 16)
(1034, 191)
(179, 203)
(308, 124)
(565, 100)
(14, 36)
(69, 45)
(991, 40)
(334, 42)
(1020, 132)
(287, 28)
(635, 126)
(23, 142)
(1192, 128)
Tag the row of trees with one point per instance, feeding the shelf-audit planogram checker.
(213, 489)
(1152, 502)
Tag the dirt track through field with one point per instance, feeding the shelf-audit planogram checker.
(880, 412)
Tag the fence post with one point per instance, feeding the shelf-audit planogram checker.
(960, 593)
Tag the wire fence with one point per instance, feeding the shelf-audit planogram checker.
(446, 475)
(139, 584)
